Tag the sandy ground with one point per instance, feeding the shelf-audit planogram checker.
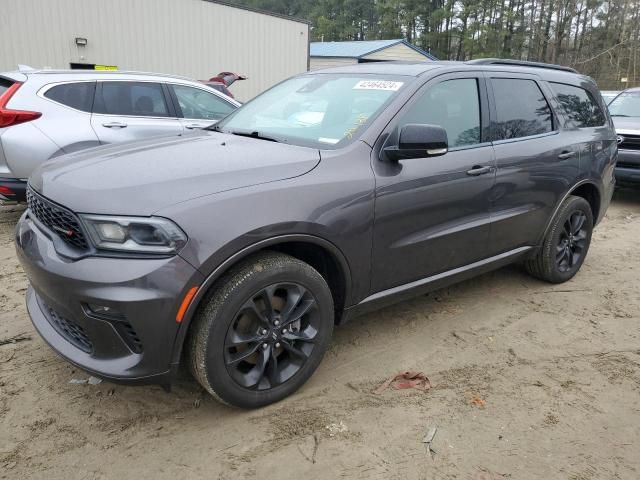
(530, 381)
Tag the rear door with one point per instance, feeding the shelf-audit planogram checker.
(132, 110)
(199, 107)
(585, 123)
(536, 160)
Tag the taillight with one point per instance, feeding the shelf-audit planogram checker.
(9, 117)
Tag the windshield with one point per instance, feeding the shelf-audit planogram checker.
(626, 105)
(319, 110)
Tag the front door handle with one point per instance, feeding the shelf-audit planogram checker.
(479, 170)
(565, 155)
(193, 126)
(114, 125)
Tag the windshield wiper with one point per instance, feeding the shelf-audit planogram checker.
(618, 115)
(253, 135)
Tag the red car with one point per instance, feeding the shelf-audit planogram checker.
(223, 81)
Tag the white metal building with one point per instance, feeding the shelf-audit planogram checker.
(194, 38)
(334, 54)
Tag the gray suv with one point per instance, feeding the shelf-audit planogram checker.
(47, 113)
(237, 249)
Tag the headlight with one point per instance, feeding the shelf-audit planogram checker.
(135, 234)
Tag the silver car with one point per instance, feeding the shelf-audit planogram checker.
(47, 113)
(625, 111)
(609, 95)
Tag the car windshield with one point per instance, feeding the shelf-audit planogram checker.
(626, 105)
(318, 110)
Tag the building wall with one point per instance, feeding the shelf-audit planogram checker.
(194, 38)
(397, 52)
(317, 63)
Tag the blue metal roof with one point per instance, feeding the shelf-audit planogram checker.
(358, 49)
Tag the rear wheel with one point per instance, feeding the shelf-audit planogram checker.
(262, 332)
(566, 244)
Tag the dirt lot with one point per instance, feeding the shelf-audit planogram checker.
(531, 381)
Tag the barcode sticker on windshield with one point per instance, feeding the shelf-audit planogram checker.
(378, 85)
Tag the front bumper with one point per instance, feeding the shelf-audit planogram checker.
(628, 166)
(134, 347)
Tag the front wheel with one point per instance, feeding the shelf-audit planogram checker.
(262, 332)
(566, 244)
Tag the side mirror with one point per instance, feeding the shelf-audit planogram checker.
(418, 141)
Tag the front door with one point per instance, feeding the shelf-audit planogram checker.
(124, 111)
(432, 214)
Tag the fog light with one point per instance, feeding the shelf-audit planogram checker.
(105, 311)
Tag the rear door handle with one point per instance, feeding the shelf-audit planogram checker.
(479, 170)
(114, 125)
(565, 155)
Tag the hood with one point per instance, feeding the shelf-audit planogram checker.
(142, 177)
(629, 125)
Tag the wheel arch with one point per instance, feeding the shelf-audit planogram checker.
(321, 254)
(586, 189)
(590, 192)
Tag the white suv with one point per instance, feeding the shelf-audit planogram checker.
(47, 113)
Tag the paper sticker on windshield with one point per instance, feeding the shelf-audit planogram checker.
(378, 85)
(332, 141)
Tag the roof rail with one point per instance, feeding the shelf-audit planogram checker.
(520, 63)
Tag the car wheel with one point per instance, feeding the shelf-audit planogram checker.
(262, 331)
(566, 244)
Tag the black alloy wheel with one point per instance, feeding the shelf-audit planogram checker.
(571, 241)
(566, 243)
(272, 336)
(262, 330)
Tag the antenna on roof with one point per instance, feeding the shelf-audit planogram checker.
(25, 68)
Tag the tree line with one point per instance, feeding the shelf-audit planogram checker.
(597, 37)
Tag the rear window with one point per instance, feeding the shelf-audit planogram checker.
(75, 95)
(4, 85)
(580, 108)
(139, 99)
(521, 109)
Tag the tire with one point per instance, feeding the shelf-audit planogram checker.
(553, 262)
(237, 349)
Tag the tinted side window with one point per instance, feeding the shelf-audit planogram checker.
(74, 95)
(521, 109)
(199, 104)
(579, 106)
(452, 104)
(4, 85)
(140, 99)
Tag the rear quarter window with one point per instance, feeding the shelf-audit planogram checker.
(579, 107)
(4, 85)
(75, 95)
(521, 109)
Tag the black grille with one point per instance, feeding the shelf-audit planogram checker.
(129, 335)
(61, 221)
(71, 331)
(630, 142)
